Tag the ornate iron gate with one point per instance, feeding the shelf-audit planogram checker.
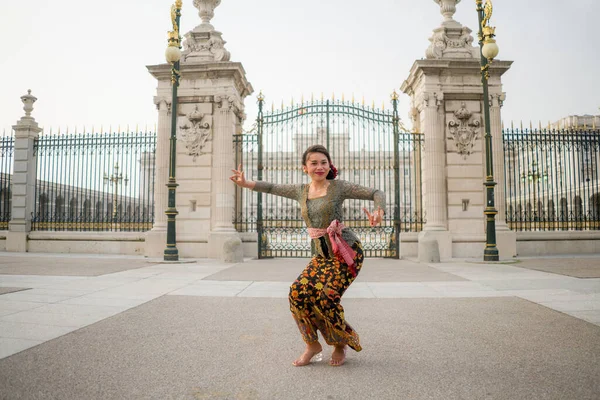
(366, 146)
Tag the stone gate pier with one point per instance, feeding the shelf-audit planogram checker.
(447, 106)
(210, 111)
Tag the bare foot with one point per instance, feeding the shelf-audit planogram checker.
(311, 351)
(338, 357)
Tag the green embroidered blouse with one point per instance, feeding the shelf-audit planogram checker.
(319, 212)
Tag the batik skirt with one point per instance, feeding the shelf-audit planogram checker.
(315, 300)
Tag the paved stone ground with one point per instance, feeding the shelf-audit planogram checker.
(287, 269)
(36, 264)
(5, 290)
(456, 330)
(582, 267)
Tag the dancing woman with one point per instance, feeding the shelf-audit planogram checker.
(337, 253)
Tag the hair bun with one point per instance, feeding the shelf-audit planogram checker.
(334, 170)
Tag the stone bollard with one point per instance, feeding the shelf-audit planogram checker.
(429, 251)
(232, 251)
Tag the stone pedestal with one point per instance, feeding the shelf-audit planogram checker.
(210, 111)
(506, 243)
(17, 241)
(434, 245)
(225, 246)
(23, 179)
(447, 98)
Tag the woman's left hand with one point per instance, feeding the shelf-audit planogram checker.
(376, 217)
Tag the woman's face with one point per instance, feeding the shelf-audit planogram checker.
(317, 166)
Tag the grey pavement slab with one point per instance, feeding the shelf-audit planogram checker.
(53, 319)
(402, 289)
(9, 346)
(213, 288)
(373, 270)
(266, 289)
(35, 281)
(109, 301)
(79, 309)
(56, 292)
(577, 267)
(5, 290)
(184, 347)
(573, 305)
(577, 285)
(499, 271)
(590, 316)
(31, 331)
(67, 265)
(11, 305)
(34, 297)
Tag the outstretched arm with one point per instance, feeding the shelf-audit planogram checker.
(289, 191)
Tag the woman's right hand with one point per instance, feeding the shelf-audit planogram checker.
(376, 217)
(238, 177)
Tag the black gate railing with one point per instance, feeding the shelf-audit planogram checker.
(7, 145)
(552, 179)
(94, 182)
(246, 153)
(367, 147)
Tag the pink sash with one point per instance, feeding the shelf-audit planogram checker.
(340, 247)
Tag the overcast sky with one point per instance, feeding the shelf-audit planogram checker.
(86, 60)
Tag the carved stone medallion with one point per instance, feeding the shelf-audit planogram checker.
(465, 131)
(196, 135)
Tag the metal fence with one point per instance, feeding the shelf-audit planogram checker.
(552, 179)
(7, 144)
(94, 182)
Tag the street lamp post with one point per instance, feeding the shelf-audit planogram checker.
(173, 55)
(532, 180)
(115, 179)
(489, 50)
